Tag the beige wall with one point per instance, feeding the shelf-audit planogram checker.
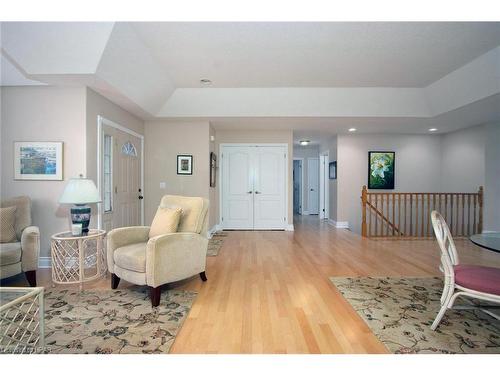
(163, 141)
(258, 136)
(212, 192)
(418, 168)
(492, 178)
(306, 153)
(43, 114)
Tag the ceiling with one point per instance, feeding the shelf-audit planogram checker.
(304, 54)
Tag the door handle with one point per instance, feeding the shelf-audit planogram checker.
(249, 192)
(140, 197)
(258, 192)
(312, 189)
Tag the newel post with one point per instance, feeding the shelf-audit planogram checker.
(364, 193)
(480, 201)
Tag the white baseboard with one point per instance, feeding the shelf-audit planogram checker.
(339, 224)
(289, 228)
(216, 228)
(305, 213)
(44, 262)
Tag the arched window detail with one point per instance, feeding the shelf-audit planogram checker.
(129, 149)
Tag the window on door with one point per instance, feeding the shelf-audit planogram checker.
(108, 173)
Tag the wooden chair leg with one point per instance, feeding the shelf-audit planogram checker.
(155, 294)
(203, 276)
(115, 280)
(31, 277)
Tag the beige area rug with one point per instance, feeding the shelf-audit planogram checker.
(400, 312)
(215, 243)
(113, 321)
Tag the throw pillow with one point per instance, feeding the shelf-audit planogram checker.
(165, 221)
(7, 221)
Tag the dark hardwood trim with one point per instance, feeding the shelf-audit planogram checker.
(115, 280)
(31, 277)
(155, 294)
(203, 276)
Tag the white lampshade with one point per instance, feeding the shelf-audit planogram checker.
(80, 191)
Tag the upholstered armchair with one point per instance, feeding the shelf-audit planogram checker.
(21, 255)
(156, 261)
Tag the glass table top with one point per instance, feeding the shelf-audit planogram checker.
(490, 241)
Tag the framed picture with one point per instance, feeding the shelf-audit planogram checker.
(381, 167)
(38, 161)
(185, 164)
(213, 168)
(332, 171)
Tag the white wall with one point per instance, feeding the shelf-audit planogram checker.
(306, 152)
(492, 178)
(417, 168)
(43, 114)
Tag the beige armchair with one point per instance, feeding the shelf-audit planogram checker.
(141, 260)
(22, 254)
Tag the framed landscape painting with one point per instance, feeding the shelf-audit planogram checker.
(38, 161)
(381, 166)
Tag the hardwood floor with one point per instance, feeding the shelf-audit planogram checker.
(269, 292)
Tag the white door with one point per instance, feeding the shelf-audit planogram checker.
(269, 188)
(121, 174)
(313, 186)
(237, 188)
(253, 193)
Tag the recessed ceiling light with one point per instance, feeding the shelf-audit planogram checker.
(433, 130)
(304, 142)
(352, 129)
(205, 82)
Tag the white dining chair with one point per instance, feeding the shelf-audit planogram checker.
(478, 282)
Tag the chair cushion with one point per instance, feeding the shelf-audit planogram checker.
(23, 212)
(131, 257)
(194, 210)
(7, 221)
(10, 253)
(165, 221)
(482, 279)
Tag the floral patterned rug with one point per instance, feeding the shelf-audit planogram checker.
(113, 321)
(215, 243)
(400, 312)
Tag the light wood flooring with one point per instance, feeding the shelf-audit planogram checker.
(269, 292)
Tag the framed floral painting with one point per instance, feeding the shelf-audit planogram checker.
(381, 167)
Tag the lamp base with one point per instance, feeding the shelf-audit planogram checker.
(80, 214)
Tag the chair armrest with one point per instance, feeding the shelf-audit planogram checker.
(30, 248)
(121, 237)
(175, 256)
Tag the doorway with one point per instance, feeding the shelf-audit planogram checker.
(298, 178)
(313, 186)
(324, 183)
(254, 186)
(120, 176)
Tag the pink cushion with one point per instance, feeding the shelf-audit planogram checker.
(482, 279)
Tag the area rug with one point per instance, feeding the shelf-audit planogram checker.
(215, 243)
(113, 321)
(400, 311)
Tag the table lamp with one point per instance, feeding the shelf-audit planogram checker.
(80, 192)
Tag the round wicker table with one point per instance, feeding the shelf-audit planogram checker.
(77, 259)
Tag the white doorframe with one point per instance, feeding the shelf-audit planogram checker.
(100, 137)
(287, 181)
(323, 186)
(301, 184)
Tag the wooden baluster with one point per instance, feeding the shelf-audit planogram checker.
(463, 214)
(468, 215)
(411, 215)
(386, 214)
(416, 215)
(480, 202)
(446, 207)
(428, 214)
(363, 201)
(399, 214)
(376, 215)
(474, 224)
(405, 211)
(451, 215)
(433, 208)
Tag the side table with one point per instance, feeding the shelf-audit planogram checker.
(77, 259)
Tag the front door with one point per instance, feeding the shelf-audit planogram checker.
(121, 176)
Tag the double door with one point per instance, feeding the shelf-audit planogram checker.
(253, 193)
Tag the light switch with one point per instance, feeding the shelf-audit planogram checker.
(163, 185)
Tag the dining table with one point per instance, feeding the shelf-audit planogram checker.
(489, 240)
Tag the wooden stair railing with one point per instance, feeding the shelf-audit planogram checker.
(408, 215)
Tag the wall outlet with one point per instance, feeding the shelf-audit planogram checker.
(163, 185)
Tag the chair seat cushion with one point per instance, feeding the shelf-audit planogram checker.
(131, 257)
(10, 253)
(482, 279)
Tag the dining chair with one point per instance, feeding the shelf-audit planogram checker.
(478, 282)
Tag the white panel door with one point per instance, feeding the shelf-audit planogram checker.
(237, 188)
(269, 187)
(313, 186)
